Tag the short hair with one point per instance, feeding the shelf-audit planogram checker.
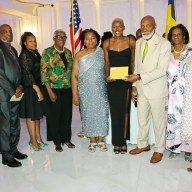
(2, 27)
(24, 38)
(132, 36)
(58, 31)
(184, 31)
(118, 20)
(82, 37)
(106, 35)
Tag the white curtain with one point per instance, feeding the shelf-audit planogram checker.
(131, 12)
(58, 17)
(46, 26)
(19, 25)
(14, 22)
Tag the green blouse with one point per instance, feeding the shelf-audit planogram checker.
(53, 70)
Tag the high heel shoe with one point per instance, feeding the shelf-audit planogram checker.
(123, 151)
(34, 149)
(42, 144)
(116, 150)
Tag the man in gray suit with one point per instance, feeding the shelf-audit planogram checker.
(152, 56)
(10, 84)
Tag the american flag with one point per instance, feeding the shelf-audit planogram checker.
(75, 27)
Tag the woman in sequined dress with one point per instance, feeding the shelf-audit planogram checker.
(89, 90)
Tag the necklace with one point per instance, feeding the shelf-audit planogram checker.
(178, 51)
(60, 51)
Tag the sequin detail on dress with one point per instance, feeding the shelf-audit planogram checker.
(93, 95)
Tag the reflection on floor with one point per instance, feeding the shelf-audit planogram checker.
(77, 170)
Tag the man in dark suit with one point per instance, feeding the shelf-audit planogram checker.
(10, 84)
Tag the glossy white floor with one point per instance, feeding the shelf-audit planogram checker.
(77, 170)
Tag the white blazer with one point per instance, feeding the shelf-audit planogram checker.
(153, 83)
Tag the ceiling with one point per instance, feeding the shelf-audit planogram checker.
(39, 1)
(44, 1)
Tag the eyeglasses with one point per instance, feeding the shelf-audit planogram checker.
(61, 38)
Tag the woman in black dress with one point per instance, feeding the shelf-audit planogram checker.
(119, 51)
(31, 103)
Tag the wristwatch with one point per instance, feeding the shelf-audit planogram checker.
(139, 76)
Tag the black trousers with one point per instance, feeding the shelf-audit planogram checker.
(9, 128)
(59, 117)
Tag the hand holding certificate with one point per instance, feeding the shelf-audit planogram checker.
(118, 72)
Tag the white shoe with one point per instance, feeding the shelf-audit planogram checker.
(187, 156)
(102, 146)
(92, 147)
(172, 155)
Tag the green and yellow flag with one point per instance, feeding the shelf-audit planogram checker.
(171, 19)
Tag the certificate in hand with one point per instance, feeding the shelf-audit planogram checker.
(118, 72)
(14, 98)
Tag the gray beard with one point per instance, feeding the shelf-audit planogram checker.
(7, 40)
(149, 36)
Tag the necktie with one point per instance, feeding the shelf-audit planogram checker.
(13, 55)
(145, 51)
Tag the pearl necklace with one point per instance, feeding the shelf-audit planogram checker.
(178, 51)
(59, 50)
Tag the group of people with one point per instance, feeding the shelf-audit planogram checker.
(40, 85)
(157, 79)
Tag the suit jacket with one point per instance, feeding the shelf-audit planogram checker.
(153, 69)
(10, 73)
(53, 69)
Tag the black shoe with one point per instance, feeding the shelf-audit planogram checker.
(69, 144)
(123, 151)
(11, 163)
(117, 150)
(58, 148)
(19, 155)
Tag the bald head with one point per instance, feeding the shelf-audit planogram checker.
(138, 33)
(119, 20)
(148, 18)
(6, 34)
(148, 27)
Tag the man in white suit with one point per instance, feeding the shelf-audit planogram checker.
(152, 57)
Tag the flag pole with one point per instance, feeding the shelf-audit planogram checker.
(72, 23)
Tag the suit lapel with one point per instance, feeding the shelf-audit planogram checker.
(151, 48)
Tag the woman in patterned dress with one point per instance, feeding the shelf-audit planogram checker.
(179, 37)
(89, 90)
(186, 120)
